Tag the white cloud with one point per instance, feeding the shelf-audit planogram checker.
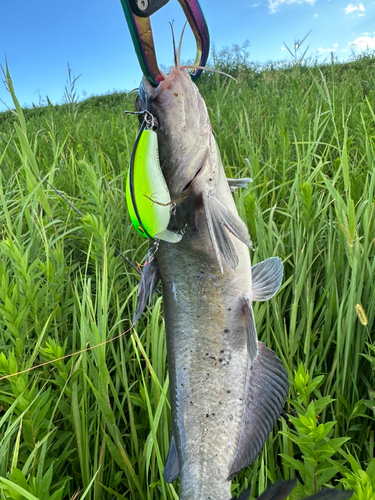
(335, 45)
(283, 48)
(315, 15)
(363, 43)
(275, 4)
(352, 8)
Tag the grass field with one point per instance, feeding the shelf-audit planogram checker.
(93, 423)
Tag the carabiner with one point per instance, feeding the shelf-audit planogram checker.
(137, 14)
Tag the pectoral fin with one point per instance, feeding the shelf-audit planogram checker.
(219, 221)
(146, 288)
(266, 277)
(172, 465)
(279, 490)
(266, 392)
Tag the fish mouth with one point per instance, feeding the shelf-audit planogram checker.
(184, 158)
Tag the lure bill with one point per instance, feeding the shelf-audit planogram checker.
(147, 195)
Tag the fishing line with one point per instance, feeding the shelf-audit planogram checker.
(151, 122)
(11, 147)
(80, 214)
(117, 250)
(67, 355)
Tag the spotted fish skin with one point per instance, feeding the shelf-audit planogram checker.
(226, 388)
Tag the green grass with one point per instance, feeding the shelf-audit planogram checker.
(95, 425)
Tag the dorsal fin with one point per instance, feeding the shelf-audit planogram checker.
(238, 183)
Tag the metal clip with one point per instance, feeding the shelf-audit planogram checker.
(137, 14)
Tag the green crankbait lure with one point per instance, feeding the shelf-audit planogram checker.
(147, 194)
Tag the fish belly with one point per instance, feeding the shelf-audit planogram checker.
(207, 362)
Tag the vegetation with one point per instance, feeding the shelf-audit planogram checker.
(84, 409)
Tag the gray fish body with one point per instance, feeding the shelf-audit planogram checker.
(214, 364)
(207, 354)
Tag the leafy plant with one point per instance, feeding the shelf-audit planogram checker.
(361, 481)
(315, 440)
(17, 487)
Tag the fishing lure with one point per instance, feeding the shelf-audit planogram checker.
(147, 195)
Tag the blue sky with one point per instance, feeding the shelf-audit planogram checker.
(41, 37)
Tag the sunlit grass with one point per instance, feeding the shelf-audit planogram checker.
(96, 425)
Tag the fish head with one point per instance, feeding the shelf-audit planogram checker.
(184, 130)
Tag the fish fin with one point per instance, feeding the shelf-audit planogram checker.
(220, 240)
(252, 337)
(146, 288)
(266, 277)
(328, 494)
(239, 183)
(172, 465)
(219, 219)
(244, 495)
(168, 236)
(279, 490)
(231, 221)
(265, 395)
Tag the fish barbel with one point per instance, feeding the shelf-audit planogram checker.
(226, 388)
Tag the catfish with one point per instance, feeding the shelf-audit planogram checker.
(227, 389)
